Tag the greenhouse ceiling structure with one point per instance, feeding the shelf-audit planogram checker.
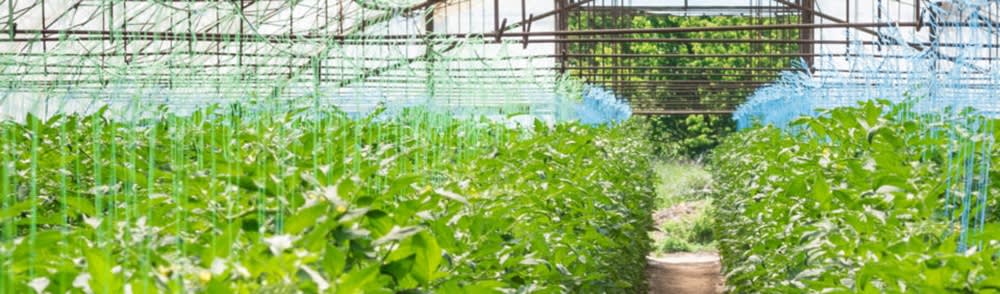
(200, 51)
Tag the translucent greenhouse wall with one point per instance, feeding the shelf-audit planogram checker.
(187, 55)
(941, 73)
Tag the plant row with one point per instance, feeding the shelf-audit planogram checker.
(866, 199)
(225, 201)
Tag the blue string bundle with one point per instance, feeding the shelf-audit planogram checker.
(600, 106)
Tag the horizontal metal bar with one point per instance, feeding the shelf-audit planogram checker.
(644, 112)
(684, 82)
(699, 68)
(186, 36)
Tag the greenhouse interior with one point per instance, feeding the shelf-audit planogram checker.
(487, 146)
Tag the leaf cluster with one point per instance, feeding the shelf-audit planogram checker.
(859, 199)
(313, 201)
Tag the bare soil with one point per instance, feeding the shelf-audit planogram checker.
(679, 211)
(685, 273)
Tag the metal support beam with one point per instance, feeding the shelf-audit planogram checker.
(805, 35)
(680, 112)
(562, 25)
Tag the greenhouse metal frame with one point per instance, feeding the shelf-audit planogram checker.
(220, 44)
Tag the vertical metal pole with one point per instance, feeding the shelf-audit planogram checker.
(934, 37)
(192, 37)
(496, 16)
(125, 33)
(239, 39)
(170, 61)
(291, 32)
(429, 49)
(847, 19)
(562, 24)
(104, 27)
(218, 53)
(619, 22)
(806, 35)
(45, 45)
(524, 16)
(11, 26)
(322, 62)
(879, 19)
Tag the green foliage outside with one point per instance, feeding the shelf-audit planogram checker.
(684, 209)
(692, 233)
(851, 201)
(681, 181)
(683, 136)
(282, 202)
(688, 136)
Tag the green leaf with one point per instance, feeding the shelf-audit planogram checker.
(222, 246)
(81, 205)
(357, 281)
(428, 257)
(102, 280)
(305, 218)
(400, 268)
(15, 210)
(397, 234)
(821, 191)
(144, 285)
(335, 259)
(484, 287)
(452, 196)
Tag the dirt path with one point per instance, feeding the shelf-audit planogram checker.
(682, 193)
(685, 273)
